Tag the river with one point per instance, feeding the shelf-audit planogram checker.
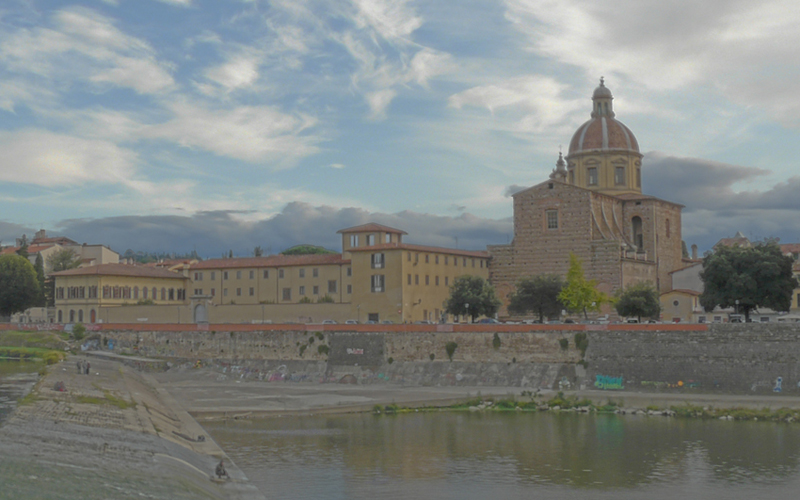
(16, 379)
(513, 455)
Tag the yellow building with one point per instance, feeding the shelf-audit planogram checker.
(399, 282)
(81, 293)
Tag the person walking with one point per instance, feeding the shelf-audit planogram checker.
(88, 366)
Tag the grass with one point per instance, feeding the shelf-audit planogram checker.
(50, 356)
(47, 340)
(107, 399)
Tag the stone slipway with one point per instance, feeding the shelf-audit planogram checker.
(113, 423)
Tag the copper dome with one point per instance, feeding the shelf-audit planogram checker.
(603, 131)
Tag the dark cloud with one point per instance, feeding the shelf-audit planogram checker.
(214, 233)
(713, 209)
(514, 189)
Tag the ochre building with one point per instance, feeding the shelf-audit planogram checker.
(593, 206)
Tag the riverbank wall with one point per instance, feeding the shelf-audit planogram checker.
(751, 358)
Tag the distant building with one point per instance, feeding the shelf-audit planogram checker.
(593, 206)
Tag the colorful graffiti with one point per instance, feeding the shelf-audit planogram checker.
(778, 385)
(608, 383)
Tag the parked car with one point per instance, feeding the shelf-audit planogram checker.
(351, 322)
(328, 322)
(387, 322)
(488, 321)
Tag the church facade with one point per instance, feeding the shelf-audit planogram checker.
(593, 206)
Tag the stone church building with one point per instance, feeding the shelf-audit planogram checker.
(592, 205)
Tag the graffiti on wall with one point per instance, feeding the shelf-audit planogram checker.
(608, 383)
(354, 351)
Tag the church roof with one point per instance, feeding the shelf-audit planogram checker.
(603, 132)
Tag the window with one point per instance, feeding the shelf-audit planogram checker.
(388, 238)
(370, 240)
(436, 260)
(446, 281)
(638, 177)
(302, 273)
(238, 292)
(315, 272)
(302, 290)
(427, 259)
(353, 240)
(252, 275)
(171, 294)
(224, 275)
(349, 271)
(619, 176)
(377, 283)
(332, 286)
(377, 261)
(213, 275)
(416, 279)
(445, 260)
(182, 293)
(464, 263)
(551, 216)
(437, 281)
(315, 290)
(252, 291)
(427, 280)
(409, 282)
(224, 292)
(473, 262)
(572, 177)
(280, 273)
(266, 274)
(144, 293)
(198, 291)
(198, 276)
(238, 275)
(409, 256)
(213, 292)
(93, 292)
(60, 292)
(638, 237)
(592, 176)
(349, 289)
(667, 224)
(287, 294)
(163, 293)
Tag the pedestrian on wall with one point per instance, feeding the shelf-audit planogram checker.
(88, 366)
(79, 365)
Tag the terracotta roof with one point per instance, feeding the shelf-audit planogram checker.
(61, 240)
(683, 290)
(31, 249)
(271, 261)
(422, 248)
(371, 227)
(790, 247)
(120, 270)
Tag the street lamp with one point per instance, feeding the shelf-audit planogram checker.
(467, 307)
(737, 306)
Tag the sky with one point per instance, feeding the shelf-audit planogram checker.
(208, 125)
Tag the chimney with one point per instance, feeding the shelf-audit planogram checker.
(694, 252)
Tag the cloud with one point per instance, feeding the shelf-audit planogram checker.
(239, 71)
(215, 232)
(50, 159)
(388, 18)
(514, 189)
(337, 166)
(725, 45)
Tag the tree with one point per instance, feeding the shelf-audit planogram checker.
(38, 266)
(580, 294)
(639, 299)
(472, 295)
(756, 276)
(258, 251)
(60, 260)
(306, 250)
(18, 286)
(538, 295)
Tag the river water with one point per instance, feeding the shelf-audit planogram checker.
(513, 455)
(16, 379)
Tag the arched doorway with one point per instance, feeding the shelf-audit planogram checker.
(200, 313)
(93, 316)
(72, 316)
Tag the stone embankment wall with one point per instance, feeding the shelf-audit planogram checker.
(746, 358)
(728, 358)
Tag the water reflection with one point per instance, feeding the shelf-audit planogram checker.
(16, 379)
(508, 453)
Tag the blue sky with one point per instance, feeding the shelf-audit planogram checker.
(211, 125)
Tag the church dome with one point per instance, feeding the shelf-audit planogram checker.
(603, 132)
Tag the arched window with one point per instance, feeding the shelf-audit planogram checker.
(136, 292)
(144, 293)
(163, 294)
(155, 293)
(60, 316)
(638, 237)
(80, 315)
(71, 316)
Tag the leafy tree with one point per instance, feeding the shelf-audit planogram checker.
(60, 260)
(756, 276)
(684, 250)
(538, 295)
(39, 267)
(22, 251)
(258, 251)
(63, 259)
(306, 250)
(639, 299)
(476, 292)
(580, 294)
(18, 286)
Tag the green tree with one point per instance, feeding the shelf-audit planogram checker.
(18, 286)
(757, 276)
(639, 299)
(306, 250)
(60, 260)
(473, 295)
(258, 251)
(39, 267)
(538, 295)
(580, 294)
(22, 251)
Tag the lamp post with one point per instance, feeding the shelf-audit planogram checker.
(737, 306)
(467, 307)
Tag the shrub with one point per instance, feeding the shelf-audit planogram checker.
(310, 340)
(325, 299)
(564, 343)
(496, 342)
(322, 349)
(78, 331)
(305, 300)
(581, 342)
(320, 335)
(390, 360)
(450, 347)
(432, 356)
(303, 349)
(52, 357)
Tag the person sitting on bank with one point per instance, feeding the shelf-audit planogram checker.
(220, 470)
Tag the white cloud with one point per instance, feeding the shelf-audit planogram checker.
(49, 159)
(240, 71)
(181, 3)
(389, 18)
(250, 133)
(379, 101)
